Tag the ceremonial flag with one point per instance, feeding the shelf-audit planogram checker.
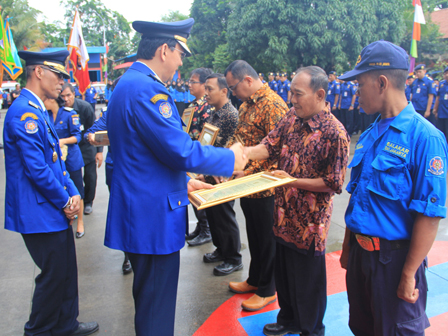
(10, 60)
(419, 18)
(79, 55)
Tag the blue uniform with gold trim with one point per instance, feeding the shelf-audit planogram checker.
(148, 201)
(273, 85)
(283, 89)
(421, 89)
(37, 183)
(334, 89)
(395, 176)
(67, 125)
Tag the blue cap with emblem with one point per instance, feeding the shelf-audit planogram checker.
(446, 69)
(420, 67)
(54, 61)
(179, 30)
(333, 73)
(379, 55)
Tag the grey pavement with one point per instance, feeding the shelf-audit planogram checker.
(105, 294)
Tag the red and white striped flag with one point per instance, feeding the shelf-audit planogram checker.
(79, 56)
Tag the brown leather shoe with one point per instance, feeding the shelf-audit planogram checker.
(241, 287)
(257, 302)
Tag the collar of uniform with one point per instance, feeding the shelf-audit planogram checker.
(402, 120)
(262, 92)
(315, 123)
(41, 103)
(142, 67)
(199, 102)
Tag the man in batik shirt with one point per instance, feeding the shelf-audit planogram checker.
(261, 110)
(311, 145)
(202, 111)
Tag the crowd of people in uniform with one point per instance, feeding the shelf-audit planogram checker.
(299, 128)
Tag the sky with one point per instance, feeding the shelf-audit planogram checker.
(132, 10)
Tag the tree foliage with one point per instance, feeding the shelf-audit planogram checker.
(174, 16)
(285, 34)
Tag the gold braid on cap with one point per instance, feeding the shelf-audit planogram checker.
(180, 38)
(55, 66)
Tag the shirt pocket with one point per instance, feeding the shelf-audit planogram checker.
(388, 176)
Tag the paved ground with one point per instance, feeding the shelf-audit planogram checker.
(105, 294)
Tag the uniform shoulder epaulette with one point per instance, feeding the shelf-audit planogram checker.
(158, 97)
(34, 105)
(28, 115)
(68, 108)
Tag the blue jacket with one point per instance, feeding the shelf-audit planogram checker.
(90, 93)
(334, 88)
(273, 85)
(37, 183)
(178, 96)
(442, 111)
(421, 89)
(347, 92)
(148, 200)
(283, 89)
(67, 124)
(107, 92)
(395, 176)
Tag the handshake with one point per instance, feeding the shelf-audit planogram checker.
(242, 156)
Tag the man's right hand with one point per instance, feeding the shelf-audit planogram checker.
(240, 156)
(91, 140)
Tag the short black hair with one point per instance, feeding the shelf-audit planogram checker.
(148, 46)
(240, 69)
(222, 83)
(202, 73)
(397, 77)
(319, 78)
(68, 85)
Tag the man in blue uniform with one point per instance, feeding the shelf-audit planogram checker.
(261, 76)
(90, 96)
(147, 214)
(346, 106)
(41, 199)
(423, 91)
(272, 82)
(284, 88)
(334, 90)
(398, 194)
(440, 110)
(408, 88)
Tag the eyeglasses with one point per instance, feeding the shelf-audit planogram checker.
(182, 54)
(233, 87)
(60, 76)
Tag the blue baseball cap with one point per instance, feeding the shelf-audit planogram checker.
(179, 30)
(379, 55)
(55, 61)
(420, 67)
(333, 73)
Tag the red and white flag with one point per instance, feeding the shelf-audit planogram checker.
(79, 55)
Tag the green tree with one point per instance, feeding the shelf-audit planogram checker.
(173, 16)
(285, 34)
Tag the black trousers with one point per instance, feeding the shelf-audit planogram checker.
(259, 214)
(180, 108)
(442, 125)
(372, 282)
(301, 289)
(54, 309)
(347, 120)
(225, 231)
(155, 292)
(90, 177)
(201, 215)
(356, 120)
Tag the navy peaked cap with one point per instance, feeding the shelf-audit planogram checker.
(55, 61)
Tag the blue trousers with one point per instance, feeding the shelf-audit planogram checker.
(55, 300)
(155, 292)
(372, 282)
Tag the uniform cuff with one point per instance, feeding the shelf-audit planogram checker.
(428, 208)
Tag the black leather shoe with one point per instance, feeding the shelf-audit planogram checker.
(127, 268)
(194, 234)
(275, 329)
(86, 329)
(202, 238)
(226, 268)
(213, 257)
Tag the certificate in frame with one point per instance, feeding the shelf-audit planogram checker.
(102, 138)
(238, 188)
(187, 117)
(208, 135)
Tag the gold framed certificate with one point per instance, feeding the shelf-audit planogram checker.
(102, 138)
(208, 135)
(187, 117)
(238, 188)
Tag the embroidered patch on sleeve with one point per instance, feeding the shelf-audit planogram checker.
(75, 119)
(165, 110)
(28, 115)
(31, 127)
(158, 97)
(436, 165)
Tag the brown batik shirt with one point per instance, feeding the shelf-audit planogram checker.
(318, 148)
(202, 110)
(257, 117)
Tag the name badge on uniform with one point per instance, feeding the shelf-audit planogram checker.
(281, 91)
(445, 97)
(329, 92)
(345, 94)
(81, 127)
(418, 90)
